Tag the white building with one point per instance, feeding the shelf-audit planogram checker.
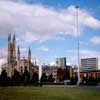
(89, 64)
(61, 62)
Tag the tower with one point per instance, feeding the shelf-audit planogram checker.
(29, 63)
(11, 54)
(29, 55)
(9, 43)
(14, 48)
(18, 59)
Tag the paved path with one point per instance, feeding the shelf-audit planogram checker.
(73, 86)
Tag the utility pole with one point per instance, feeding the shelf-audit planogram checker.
(78, 43)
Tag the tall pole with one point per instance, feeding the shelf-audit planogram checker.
(78, 44)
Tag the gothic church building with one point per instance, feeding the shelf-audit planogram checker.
(14, 60)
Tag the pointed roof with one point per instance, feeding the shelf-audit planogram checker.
(29, 51)
(9, 36)
(18, 49)
(14, 37)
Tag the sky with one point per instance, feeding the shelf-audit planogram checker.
(48, 28)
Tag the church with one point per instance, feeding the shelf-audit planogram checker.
(14, 61)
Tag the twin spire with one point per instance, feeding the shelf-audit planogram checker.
(12, 49)
(11, 39)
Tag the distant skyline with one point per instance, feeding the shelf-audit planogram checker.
(48, 28)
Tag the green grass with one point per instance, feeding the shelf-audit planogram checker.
(37, 93)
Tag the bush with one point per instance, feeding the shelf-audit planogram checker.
(73, 80)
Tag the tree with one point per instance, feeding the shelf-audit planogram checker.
(26, 75)
(43, 78)
(16, 77)
(3, 76)
(35, 78)
(50, 78)
(73, 80)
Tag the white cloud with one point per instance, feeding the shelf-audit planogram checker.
(23, 52)
(43, 48)
(39, 60)
(95, 40)
(2, 61)
(86, 53)
(3, 52)
(89, 53)
(23, 49)
(36, 22)
(53, 63)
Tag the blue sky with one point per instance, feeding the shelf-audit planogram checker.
(48, 28)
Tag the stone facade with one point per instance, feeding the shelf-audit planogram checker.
(15, 62)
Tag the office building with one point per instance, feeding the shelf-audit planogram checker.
(89, 64)
(61, 62)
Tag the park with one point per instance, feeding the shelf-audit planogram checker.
(46, 93)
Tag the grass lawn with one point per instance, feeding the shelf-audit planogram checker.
(37, 93)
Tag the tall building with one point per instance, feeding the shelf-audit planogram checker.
(61, 62)
(18, 59)
(29, 62)
(11, 50)
(89, 64)
(11, 53)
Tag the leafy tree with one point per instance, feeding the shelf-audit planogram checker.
(4, 79)
(35, 78)
(50, 78)
(43, 78)
(26, 75)
(73, 80)
(3, 76)
(92, 81)
(98, 79)
(16, 77)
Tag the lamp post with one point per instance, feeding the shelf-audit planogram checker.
(78, 44)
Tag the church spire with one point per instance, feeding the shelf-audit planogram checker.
(14, 41)
(14, 47)
(18, 52)
(29, 63)
(29, 55)
(14, 37)
(18, 58)
(9, 43)
(9, 37)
